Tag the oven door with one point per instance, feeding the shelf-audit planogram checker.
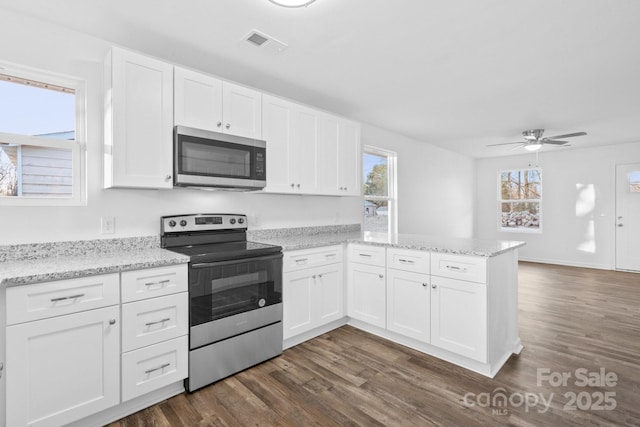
(227, 298)
(212, 159)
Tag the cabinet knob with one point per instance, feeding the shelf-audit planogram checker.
(167, 178)
(433, 286)
(298, 185)
(219, 124)
(320, 276)
(381, 276)
(620, 225)
(425, 285)
(112, 321)
(228, 125)
(313, 277)
(293, 185)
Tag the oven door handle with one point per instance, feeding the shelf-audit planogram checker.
(236, 261)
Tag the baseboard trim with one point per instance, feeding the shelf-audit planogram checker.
(566, 263)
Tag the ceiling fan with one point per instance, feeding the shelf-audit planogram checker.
(534, 141)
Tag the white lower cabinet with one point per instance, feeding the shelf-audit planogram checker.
(366, 297)
(459, 317)
(409, 304)
(313, 291)
(64, 368)
(155, 329)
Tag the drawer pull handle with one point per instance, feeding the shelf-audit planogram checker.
(365, 255)
(164, 365)
(161, 283)
(301, 261)
(66, 298)
(406, 261)
(456, 268)
(166, 319)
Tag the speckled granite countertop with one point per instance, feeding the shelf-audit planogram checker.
(32, 263)
(475, 247)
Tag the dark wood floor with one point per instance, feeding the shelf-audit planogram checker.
(570, 319)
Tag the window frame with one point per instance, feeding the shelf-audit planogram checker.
(391, 198)
(77, 146)
(537, 230)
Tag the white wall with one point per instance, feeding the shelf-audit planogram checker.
(436, 193)
(578, 204)
(425, 171)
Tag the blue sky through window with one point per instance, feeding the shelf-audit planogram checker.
(28, 110)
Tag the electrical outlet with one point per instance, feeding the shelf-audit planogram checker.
(107, 224)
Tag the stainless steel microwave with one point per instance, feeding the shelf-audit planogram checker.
(211, 159)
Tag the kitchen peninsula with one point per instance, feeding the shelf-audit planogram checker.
(453, 298)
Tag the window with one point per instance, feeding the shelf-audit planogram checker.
(41, 138)
(634, 182)
(380, 211)
(520, 198)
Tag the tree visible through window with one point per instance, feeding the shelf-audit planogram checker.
(520, 198)
(379, 190)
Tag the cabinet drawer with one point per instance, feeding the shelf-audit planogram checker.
(408, 260)
(153, 367)
(298, 260)
(154, 282)
(154, 320)
(470, 268)
(366, 254)
(42, 300)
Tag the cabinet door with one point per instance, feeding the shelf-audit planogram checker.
(297, 302)
(408, 304)
(198, 100)
(139, 139)
(328, 157)
(329, 294)
(278, 126)
(349, 158)
(304, 150)
(459, 316)
(367, 294)
(64, 368)
(241, 111)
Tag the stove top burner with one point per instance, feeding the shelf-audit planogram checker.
(226, 251)
(209, 238)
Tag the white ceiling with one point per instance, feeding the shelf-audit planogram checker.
(460, 74)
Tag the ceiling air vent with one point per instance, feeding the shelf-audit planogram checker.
(263, 41)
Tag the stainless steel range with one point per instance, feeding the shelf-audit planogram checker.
(235, 294)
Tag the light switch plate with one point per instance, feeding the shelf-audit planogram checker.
(108, 224)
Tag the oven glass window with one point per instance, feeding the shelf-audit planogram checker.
(234, 287)
(215, 160)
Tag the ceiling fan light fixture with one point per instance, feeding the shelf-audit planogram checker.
(292, 3)
(533, 147)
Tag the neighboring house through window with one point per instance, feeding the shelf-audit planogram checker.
(520, 200)
(41, 138)
(380, 207)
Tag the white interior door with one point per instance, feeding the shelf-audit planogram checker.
(628, 217)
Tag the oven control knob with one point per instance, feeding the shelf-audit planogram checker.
(183, 223)
(232, 220)
(240, 220)
(262, 302)
(172, 223)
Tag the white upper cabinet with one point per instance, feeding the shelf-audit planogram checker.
(206, 102)
(292, 133)
(309, 151)
(138, 121)
(340, 156)
(241, 110)
(198, 100)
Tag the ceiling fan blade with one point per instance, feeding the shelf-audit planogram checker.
(504, 143)
(567, 135)
(551, 141)
(517, 146)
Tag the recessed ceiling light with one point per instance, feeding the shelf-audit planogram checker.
(292, 3)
